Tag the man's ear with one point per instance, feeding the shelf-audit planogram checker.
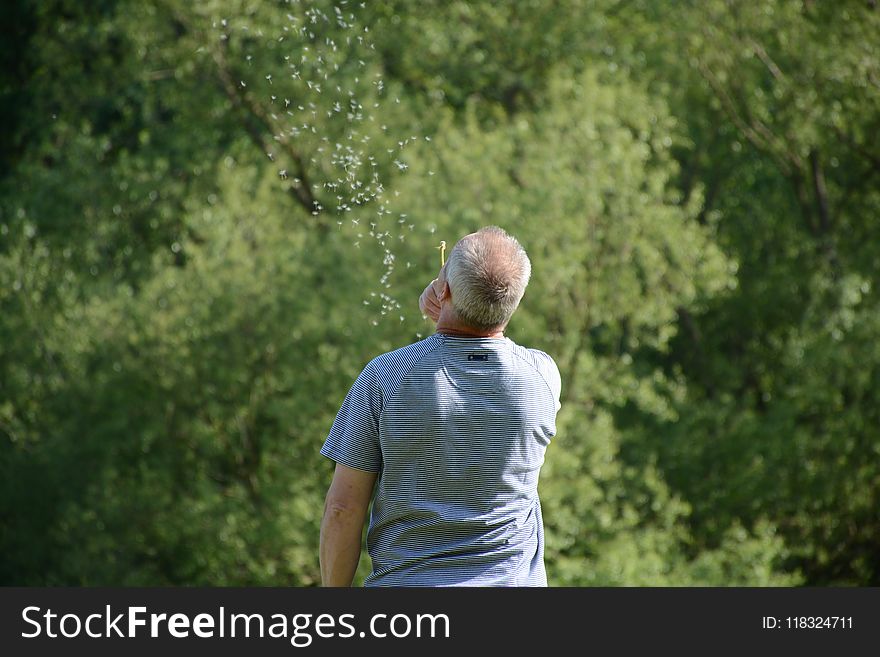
(441, 289)
(445, 292)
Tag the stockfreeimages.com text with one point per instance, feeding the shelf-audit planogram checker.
(300, 629)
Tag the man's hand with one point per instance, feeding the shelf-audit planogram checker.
(429, 302)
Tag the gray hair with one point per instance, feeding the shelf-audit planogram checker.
(487, 274)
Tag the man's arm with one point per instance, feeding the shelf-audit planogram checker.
(344, 510)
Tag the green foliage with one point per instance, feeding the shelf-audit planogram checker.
(213, 214)
(786, 99)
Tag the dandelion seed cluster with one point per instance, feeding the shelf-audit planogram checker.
(326, 100)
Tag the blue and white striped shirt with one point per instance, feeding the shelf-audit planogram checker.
(456, 428)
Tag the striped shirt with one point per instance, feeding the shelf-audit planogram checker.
(456, 429)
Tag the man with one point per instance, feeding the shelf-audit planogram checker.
(455, 428)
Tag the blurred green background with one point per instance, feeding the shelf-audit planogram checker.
(213, 214)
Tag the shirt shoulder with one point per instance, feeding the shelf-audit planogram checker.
(544, 365)
(389, 369)
(354, 438)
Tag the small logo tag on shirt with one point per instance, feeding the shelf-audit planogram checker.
(478, 357)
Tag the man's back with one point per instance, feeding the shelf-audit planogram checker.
(456, 428)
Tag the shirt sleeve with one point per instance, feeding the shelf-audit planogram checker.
(354, 436)
(554, 380)
(550, 374)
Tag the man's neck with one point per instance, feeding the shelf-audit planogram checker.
(449, 325)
